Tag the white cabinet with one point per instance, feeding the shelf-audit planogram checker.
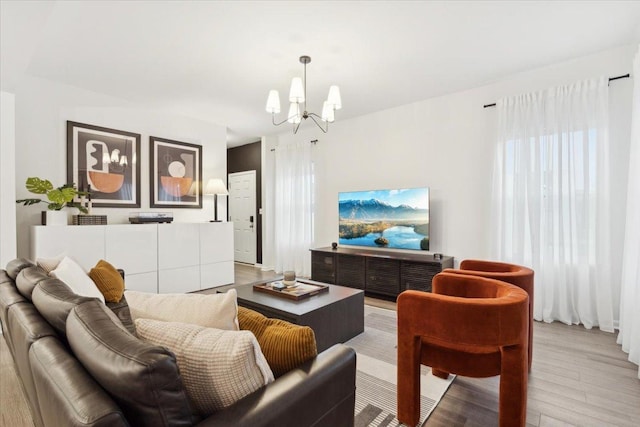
(179, 245)
(216, 257)
(164, 258)
(135, 250)
(85, 244)
(178, 258)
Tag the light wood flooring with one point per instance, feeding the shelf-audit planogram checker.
(580, 377)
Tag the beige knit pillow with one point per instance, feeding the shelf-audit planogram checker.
(211, 311)
(217, 367)
(50, 264)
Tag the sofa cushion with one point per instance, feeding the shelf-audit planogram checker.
(218, 367)
(142, 378)
(9, 295)
(285, 345)
(14, 267)
(122, 312)
(54, 300)
(26, 326)
(67, 395)
(71, 273)
(210, 311)
(28, 279)
(108, 281)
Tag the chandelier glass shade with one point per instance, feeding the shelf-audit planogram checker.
(298, 103)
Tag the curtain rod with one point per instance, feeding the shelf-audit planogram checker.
(626, 76)
(313, 141)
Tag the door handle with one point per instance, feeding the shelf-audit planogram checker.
(251, 219)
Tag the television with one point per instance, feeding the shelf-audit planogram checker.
(397, 219)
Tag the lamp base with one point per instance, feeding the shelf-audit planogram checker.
(215, 220)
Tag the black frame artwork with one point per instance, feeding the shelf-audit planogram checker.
(175, 174)
(105, 161)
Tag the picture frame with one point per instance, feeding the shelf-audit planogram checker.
(175, 174)
(104, 161)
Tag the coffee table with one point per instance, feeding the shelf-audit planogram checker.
(335, 316)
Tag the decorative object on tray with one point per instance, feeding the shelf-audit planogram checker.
(297, 291)
(289, 278)
(57, 198)
(89, 220)
(106, 161)
(176, 174)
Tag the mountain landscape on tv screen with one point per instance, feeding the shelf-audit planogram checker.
(377, 210)
(377, 223)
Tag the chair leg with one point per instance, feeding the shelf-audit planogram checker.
(440, 374)
(513, 386)
(408, 395)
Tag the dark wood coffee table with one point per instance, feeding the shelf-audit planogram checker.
(335, 316)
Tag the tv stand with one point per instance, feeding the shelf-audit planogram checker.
(382, 273)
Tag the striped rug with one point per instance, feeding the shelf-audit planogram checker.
(376, 376)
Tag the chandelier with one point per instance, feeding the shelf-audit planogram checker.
(298, 106)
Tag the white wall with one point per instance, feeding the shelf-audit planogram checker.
(447, 144)
(42, 110)
(7, 178)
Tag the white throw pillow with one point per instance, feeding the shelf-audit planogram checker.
(50, 264)
(76, 278)
(218, 367)
(211, 311)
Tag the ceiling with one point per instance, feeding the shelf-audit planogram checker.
(216, 61)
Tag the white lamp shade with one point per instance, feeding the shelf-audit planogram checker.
(294, 113)
(216, 186)
(273, 102)
(296, 94)
(334, 99)
(327, 112)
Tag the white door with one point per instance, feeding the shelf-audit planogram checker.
(242, 212)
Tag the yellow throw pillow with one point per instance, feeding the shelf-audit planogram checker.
(108, 281)
(284, 345)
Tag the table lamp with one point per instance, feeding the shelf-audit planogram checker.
(215, 187)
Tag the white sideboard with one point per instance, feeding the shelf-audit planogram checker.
(161, 258)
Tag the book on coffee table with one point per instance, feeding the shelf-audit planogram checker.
(298, 291)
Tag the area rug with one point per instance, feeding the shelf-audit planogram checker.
(376, 375)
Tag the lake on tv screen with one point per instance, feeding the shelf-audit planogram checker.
(399, 237)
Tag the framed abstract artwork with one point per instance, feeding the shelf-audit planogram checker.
(176, 174)
(104, 161)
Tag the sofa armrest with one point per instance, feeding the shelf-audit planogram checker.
(319, 392)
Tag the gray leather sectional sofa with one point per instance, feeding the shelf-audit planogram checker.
(80, 366)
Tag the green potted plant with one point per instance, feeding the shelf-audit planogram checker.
(57, 198)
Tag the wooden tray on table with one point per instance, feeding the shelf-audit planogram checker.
(299, 291)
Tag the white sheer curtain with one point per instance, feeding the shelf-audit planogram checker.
(629, 335)
(293, 208)
(551, 187)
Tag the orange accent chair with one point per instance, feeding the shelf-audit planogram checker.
(470, 326)
(517, 275)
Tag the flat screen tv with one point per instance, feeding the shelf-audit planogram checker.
(396, 219)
